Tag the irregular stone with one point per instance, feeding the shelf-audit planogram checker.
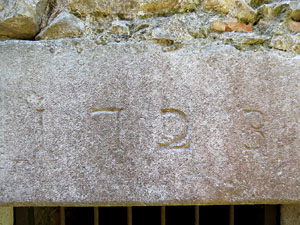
(64, 25)
(161, 7)
(295, 13)
(173, 29)
(273, 27)
(243, 39)
(198, 26)
(20, 19)
(131, 7)
(236, 8)
(120, 28)
(257, 3)
(290, 214)
(252, 40)
(276, 10)
(238, 27)
(296, 47)
(130, 124)
(284, 42)
(217, 5)
(6, 216)
(294, 26)
(242, 11)
(219, 26)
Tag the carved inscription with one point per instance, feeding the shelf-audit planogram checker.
(96, 112)
(182, 141)
(256, 137)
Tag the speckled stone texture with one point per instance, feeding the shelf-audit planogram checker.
(130, 124)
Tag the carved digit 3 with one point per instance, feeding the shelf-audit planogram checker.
(255, 129)
(182, 141)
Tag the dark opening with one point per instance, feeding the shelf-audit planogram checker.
(79, 216)
(174, 215)
(180, 215)
(214, 214)
(113, 215)
(145, 215)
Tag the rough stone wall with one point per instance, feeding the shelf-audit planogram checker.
(245, 24)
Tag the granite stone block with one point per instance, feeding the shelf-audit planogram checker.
(130, 124)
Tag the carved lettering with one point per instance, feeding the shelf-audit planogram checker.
(182, 141)
(113, 111)
(256, 125)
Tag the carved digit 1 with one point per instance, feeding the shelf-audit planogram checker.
(256, 129)
(99, 111)
(179, 142)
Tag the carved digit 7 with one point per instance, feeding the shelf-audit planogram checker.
(99, 111)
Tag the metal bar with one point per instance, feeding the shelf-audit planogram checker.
(96, 215)
(197, 221)
(163, 215)
(129, 215)
(231, 215)
(62, 217)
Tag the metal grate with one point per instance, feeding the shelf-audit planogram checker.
(156, 215)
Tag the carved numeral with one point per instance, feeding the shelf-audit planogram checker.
(114, 111)
(255, 129)
(180, 142)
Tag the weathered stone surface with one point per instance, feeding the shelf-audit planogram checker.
(290, 215)
(294, 26)
(120, 27)
(256, 3)
(243, 41)
(133, 7)
(237, 8)
(21, 19)
(285, 42)
(296, 47)
(174, 29)
(295, 14)
(130, 124)
(6, 216)
(64, 25)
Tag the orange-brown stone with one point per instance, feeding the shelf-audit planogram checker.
(294, 26)
(219, 26)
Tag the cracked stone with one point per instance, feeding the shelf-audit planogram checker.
(21, 19)
(236, 8)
